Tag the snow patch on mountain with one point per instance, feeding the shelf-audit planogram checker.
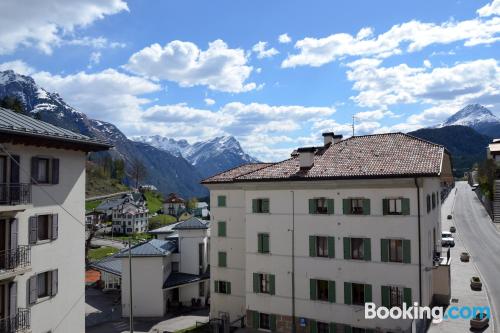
(471, 115)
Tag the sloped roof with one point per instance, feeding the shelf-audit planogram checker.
(15, 125)
(191, 224)
(111, 264)
(173, 198)
(152, 248)
(178, 278)
(168, 229)
(231, 174)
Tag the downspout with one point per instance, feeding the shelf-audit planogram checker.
(419, 245)
(293, 262)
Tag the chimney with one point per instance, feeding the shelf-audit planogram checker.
(331, 138)
(306, 157)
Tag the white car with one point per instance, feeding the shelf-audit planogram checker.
(447, 239)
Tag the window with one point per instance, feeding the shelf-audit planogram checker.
(358, 294)
(222, 287)
(43, 227)
(263, 283)
(263, 243)
(357, 248)
(175, 266)
(356, 206)
(395, 297)
(264, 321)
(322, 287)
(321, 206)
(221, 229)
(433, 200)
(428, 203)
(322, 327)
(222, 259)
(43, 170)
(394, 206)
(395, 250)
(42, 285)
(201, 291)
(322, 246)
(260, 205)
(322, 290)
(221, 201)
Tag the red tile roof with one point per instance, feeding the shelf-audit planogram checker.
(369, 156)
(231, 174)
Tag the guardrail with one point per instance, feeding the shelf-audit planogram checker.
(15, 258)
(15, 194)
(18, 323)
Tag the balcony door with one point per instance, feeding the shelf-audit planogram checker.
(3, 243)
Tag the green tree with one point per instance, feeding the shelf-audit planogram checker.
(191, 203)
(12, 103)
(118, 169)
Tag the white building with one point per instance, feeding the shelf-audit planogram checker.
(166, 273)
(311, 239)
(42, 225)
(173, 205)
(130, 217)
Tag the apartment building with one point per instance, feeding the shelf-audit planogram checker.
(130, 217)
(42, 225)
(311, 239)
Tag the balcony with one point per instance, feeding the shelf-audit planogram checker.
(15, 261)
(15, 197)
(18, 323)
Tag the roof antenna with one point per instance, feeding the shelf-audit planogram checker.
(353, 123)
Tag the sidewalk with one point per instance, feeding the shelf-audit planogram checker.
(461, 272)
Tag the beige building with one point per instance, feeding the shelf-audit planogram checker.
(315, 237)
(42, 225)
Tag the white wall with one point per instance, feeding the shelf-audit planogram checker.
(189, 241)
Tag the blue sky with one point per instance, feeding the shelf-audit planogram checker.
(275, 74)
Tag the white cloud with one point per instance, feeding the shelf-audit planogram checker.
(260, 50)
(94, 42)
(410, 36)
(284, 38)
(374, 115)
(209, 101)
(490, 9)
(219, 67)
(43, 24)
(427, 63)
(17, 66)
(94, 59)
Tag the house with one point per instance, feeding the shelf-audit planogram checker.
(130, 217)
(110, 269)
(165, 232)
(42, 220)
(201, 210)
(108, 205)
(168, 272)
(94, 218)
(173, 205)
(309, 240)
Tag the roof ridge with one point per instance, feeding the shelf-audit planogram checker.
(239, 166)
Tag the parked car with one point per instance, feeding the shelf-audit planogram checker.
(447, 239)
(453, 229)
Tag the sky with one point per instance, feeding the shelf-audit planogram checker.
(274, 74)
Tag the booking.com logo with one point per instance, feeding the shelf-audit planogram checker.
(437, 313)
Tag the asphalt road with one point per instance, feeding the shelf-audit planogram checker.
(482, 240)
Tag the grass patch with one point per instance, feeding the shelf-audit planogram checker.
(160, 220)
(91, 205)
(102, 252)
(154, 201)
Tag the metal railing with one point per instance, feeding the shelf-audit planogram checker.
(18, 323)
(15, 194)
(15, 258)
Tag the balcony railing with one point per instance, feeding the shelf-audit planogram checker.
(19, 257)
(18, 323)
(15, 194)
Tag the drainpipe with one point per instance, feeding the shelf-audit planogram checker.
(293, 262)
(419, 246)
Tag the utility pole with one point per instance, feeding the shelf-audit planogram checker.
(131, 314)
(353, 120)
(294, 329)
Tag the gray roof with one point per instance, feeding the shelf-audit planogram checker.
(178, 278)
(109, 204)
(16, 124)
(192, 223)
(168, 229)
(152, 248)
(111, 264)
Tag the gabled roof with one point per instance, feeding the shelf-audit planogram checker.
(111, 264)
(168, 229)
(231, 174)
(177, 278)
(173, 198)
(191, 224)
(18, 127)
(152, 248)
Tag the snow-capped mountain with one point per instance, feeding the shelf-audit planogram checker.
(477, 117)
(209, 157)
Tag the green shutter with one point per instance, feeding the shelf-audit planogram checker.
(255, 320)
(272, 322)
(331, 291)
(312, 246)
(265, 205)
(216, 286)
(347, 329)
(228, 288)
(406, 251)
(222, 259)
(407, 296)
(312, 206)
(254, 205)
(346, 206)
(347, 293)
(256, 284)
(384, 250)
(329, 206)
(265, 243)
(385, 206)
(221, 229)
(368, 293)
(260, 238)
(331, 247)
(367, 249)
(366, 206)
(221, 201)
(385, 296)
(369, 331)
(332, 328)
(405, 206)
(312, 289)
(347, 248)
(313, 327)
(272, 284)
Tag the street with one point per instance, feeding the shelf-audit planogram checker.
(482, 240)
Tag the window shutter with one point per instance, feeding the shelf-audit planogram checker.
(14, 233)
(385, 296)
(221, 229)
(347, 248)
(272, 284)
(313, 326)
(384, 250)
(312, 246)
(255, 319)
(216, 286)
(312, 206)
(228, 288)
(330, 206)
(368, 293)
(312, 289)
(14, 169)
(256, 282)
(33, 289)
(366, 206)
(367, 249)
(406, 251)
(34, 170)
(55, 282)
(222, 259)
(265, 242)
(346, 206)
(331, 291)
(332, 328)
(254, 205)
(385, 206)
(265, 205)
(405, 206)
(260, 239)
(347, 293)
(347, 329)
(407, 296)
(33, 229)
(55, 227)
(331, 247)
(272, 322)
(55, 171)
(13, 299)
(221, 201)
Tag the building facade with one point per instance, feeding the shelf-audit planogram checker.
(42, 225)
(130, 217)
(315, 237)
